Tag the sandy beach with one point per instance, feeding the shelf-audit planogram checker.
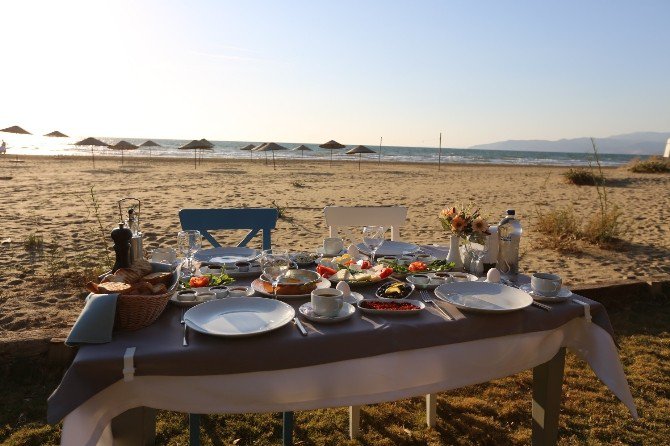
(41, 293)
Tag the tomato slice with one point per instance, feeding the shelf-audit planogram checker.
(324, 271)
(385, 273)
(198, 281)
(417, 266)
(365, 265)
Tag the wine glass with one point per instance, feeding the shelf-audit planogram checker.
(275, 264)
(188, 243)
(373, 237)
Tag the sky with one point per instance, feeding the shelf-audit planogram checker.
(354, 71)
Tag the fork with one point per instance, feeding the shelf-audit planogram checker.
(427, 299)
(184, 342)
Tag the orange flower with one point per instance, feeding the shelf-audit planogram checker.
(458, 224)
(479, 225)
(446, 213)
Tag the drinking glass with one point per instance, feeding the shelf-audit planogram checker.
(373, 237)
(275, 264)
(188, 243)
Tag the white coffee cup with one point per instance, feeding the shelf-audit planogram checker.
(327, 302)
(546, 284)
(333, 245)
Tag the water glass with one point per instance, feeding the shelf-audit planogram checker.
(188, 243)
(275, 264)
(373, 238)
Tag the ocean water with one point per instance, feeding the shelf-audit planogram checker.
(39, 145)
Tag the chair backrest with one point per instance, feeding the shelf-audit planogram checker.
(342, 216)
(254, 219)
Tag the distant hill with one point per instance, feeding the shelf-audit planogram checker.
(638, 143)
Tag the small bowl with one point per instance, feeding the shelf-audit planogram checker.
(212, 269)
(407, 287)
(204, 296)
(220, 291)
(186, 296)
(242, 267)
(240, 291)
(427, 281)
(296, 281)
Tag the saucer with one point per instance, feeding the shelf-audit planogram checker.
(345, 313)
(563, 294)
(320, 251)
(353, 297)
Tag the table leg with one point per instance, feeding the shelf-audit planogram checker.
(193, 429)
(287, 428)
(354, 421)
(547, 383)
(135, 427)
(431, 409)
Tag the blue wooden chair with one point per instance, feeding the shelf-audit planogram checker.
(254, 219)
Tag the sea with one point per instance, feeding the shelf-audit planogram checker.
(18, 144)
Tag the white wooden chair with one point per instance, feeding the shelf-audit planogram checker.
(339, 218)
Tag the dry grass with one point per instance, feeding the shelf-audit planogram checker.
(583, 177)
(496, 413)
(560, 228)
(654, 164)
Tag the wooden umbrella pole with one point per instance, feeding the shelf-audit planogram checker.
(360, 155)
(380, 149)
(195, 159)
(439, 157)
(93, 157)
(274, 166)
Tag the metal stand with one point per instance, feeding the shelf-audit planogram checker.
(135, 427)
(287, 428)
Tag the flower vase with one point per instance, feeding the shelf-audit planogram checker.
(455, 252)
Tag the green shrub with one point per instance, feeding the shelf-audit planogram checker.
(655, 164)
(583, 177)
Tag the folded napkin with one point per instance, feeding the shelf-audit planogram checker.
(95, 322)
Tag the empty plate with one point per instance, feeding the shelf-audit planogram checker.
(483, 297)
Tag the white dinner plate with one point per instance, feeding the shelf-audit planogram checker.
(563, 294)
(225, 255)
(258, 287)
(239, 316)
(390, 248)
(345, 313)
(483, 297)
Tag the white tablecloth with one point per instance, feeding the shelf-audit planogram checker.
(370, 380)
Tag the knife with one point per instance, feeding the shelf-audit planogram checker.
(301, 327)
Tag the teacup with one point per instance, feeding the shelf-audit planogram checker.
(333, 246)
(546, 284)
(327, 302)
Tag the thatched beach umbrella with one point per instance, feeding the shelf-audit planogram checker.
(150, 144)
(123, 146)
(259, 148)
(249, 148)
(92, 142)
(360, 150)
(302, 149)
(196, 145)
(332, 145)
(56, 134)
(271, 147)
(16, 129)
(206, 146)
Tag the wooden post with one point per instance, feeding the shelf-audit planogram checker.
(354, 421)
(380, 149)
(547, 383)
(431, 409)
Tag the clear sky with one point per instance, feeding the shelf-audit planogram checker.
(309, 71)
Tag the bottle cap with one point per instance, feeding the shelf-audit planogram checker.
(510, 212)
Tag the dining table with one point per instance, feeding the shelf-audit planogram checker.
(111, 391)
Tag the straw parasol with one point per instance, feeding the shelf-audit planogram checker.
(196, 145)
(16, 129)
(93, 143)
(258, 149)
(332, 145)
(56, 134)
(302, 149)
(150, 144)
(360, 150)
(249, 148)
(271, 147)
(123, 146)
(206, 146)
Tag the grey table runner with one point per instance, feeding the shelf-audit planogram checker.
(159, 348)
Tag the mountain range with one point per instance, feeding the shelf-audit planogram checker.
(637, 143)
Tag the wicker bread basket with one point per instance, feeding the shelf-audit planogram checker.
(138, 311)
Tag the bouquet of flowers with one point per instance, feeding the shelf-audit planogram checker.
(463, 222)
